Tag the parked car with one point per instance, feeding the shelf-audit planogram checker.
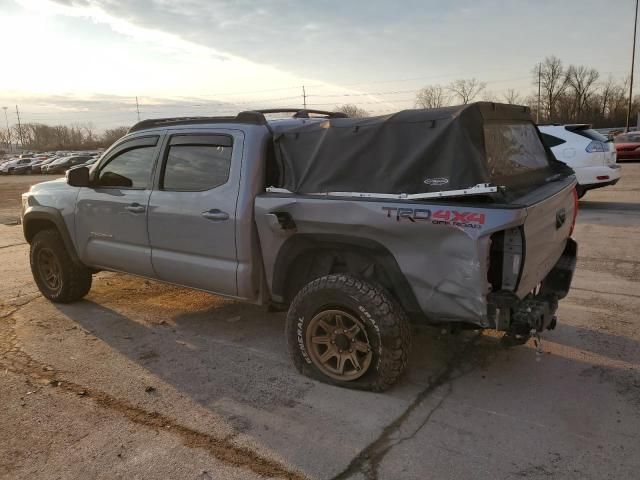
(8, 167)
(456, 215)
(37, 168)
(27, 168)
(628, 146)
(65, 163)
(591, 155)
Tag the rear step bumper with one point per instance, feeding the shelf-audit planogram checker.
(536, 312)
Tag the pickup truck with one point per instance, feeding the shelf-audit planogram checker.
(359, 227)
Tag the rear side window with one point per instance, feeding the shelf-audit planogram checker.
(551, 141)
(585, 131)
(197, 163)
(515, 154)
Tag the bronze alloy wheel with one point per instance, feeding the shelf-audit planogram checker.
(338, 345)
(49, 269)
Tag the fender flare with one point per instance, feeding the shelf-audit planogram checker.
(38, 213)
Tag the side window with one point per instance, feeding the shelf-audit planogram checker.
(197, 163)
(129, 169)
(551, 141)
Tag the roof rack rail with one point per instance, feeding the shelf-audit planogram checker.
(303, 112)
(256, 117)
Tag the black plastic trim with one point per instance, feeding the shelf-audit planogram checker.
(301, 243)
(52, 215)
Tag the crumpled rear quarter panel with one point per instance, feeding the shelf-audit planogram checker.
(445, 264)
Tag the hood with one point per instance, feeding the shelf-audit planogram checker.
(57, 184)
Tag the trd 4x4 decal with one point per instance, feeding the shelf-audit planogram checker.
(456, 218)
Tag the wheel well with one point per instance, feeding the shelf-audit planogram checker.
(32, 227)
(302, 259)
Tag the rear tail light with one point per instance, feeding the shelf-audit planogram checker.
(575, 210)
(597, 146)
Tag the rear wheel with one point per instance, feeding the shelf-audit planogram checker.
(58, 278)
(581, 191)
(349, 332)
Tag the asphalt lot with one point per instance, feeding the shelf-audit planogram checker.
(144, 380)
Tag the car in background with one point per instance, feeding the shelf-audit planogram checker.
(65, 163)
(37, 168)
(591, 155)
(628, 146)
(8, 167)
(27, 168)
(91, 161)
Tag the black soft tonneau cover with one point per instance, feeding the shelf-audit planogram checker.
(415, 151)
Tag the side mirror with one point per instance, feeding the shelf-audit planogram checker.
(78, 177)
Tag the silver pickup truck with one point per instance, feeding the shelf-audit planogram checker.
(456, 216)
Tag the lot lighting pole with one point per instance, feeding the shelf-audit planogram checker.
(8, 129)
(633, 57)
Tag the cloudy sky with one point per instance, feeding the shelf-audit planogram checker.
(70, 61)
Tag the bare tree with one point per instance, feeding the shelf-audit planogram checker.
(466, 89)
(352, 110)
(606, 94)
(512, 97)
(553, 82)
(432, 96)
(111, 135)
(489, 96)
(582, 80)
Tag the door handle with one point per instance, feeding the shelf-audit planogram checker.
(216, 215)
(135, 208)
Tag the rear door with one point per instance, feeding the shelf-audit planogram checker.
(111, 217)
(192, 210)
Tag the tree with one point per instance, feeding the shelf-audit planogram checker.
(553, 82)
(582, 81)
(352, 110)
(466, 89)
(111, 135)
(432, 96)
(512, 97)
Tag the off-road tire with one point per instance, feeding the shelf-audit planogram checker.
(386, 324)
(75, 280)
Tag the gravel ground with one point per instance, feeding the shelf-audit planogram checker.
(145, 380)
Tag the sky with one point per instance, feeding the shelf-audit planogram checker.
(78, 61)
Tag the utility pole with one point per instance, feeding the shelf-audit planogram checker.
(19, 128)
(138, 108)
(304, 97)
(539, 90)
(633, 57)
(8, 129)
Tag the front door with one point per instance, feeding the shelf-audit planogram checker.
(111, 219)
(192, 212)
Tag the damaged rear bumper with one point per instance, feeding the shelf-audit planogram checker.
(536, 311)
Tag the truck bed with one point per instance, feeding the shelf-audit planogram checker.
(442, 248)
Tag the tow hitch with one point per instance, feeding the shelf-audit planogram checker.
(532, 316)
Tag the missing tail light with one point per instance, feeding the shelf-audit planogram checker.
(506, 259)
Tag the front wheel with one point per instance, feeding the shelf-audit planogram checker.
(348, 332)
(58, 278)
